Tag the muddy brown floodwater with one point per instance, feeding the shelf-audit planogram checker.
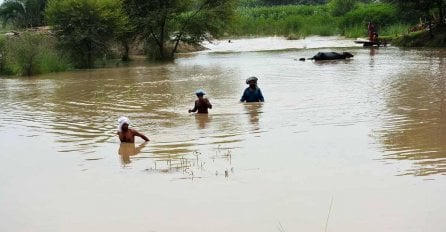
(349, 146)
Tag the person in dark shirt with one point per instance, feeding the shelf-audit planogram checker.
(202, 104)
(253, 92)
(127, 135)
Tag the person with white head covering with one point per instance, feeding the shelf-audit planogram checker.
(253, 92)
(127, 135)
(202, 104)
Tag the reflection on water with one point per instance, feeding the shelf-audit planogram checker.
(415, 126)
(126, 150)
(202, 120)
(254, 110)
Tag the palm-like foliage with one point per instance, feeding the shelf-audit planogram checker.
(23, 13)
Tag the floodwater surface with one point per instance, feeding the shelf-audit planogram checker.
(350, 145)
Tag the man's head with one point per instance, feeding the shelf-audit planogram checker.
(123, 124)
(200, 93)
(252, 82)
(125, 127)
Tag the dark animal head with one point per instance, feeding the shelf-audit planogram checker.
(347, 54)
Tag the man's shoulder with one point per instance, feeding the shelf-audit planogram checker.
(133, 131)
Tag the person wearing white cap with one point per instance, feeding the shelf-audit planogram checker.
(127, 135)
(253, 92)
(202, 104)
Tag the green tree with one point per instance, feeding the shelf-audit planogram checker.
(167, 23)
(85, 28)
(415, 9)
(341, 7)
(294, 2)
(23, 13)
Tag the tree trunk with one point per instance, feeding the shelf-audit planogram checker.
(162, 34)
(89, 57)
(125, 56)
(431, 33)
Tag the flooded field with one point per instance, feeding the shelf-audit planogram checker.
(346, 146)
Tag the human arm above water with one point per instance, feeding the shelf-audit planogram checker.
(201, 105)
(243, 99)
(261, 99)
(195, 107)
(208, 103)
(136, 133)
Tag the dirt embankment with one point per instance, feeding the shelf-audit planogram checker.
(424, 38)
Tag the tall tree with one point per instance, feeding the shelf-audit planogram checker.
(85, 28)
(166, 23)
(23, 13)
(414, 9)
(341, 7)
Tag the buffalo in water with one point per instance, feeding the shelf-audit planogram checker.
(330, 56)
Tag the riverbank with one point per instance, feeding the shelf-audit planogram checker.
(436, 38)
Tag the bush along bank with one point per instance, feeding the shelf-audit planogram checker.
(424, 38)
(30, 53)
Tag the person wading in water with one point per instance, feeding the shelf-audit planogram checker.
(253, 92)
(202, 104)
(127, 135)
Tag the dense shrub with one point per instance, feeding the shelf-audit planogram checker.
(283, 20)
(296, 21)
(31, 54)
(380, 14)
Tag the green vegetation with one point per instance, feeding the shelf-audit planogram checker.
(304, 20)
(166, 24)
(30, 54)
(91, 32)
(85, 28)
(23, 13)
(422, 39)
(298, 20)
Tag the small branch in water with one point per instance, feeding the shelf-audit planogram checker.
(328, 217)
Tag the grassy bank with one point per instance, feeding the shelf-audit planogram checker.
(422, 39)
(297, 21)
(29, 54)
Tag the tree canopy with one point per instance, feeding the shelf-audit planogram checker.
(23, 13)
(85, 27)
(414, 9)
(168, 22)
